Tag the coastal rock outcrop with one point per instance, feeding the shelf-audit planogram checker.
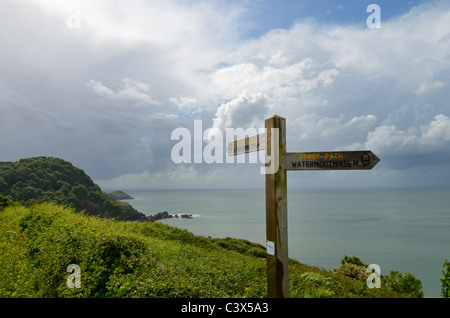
(166, 215)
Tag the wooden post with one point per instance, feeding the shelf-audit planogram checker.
(276, 209)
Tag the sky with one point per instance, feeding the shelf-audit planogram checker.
(105, 85)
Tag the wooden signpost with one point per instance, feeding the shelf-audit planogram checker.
(276, 189)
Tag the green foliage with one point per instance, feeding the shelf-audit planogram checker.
(117, 259)
(353, 260)
(315, 278)
(445, 281)
(112, 207)
(391, 286)
(144, 259)
(407, 285)
(242, 246)
(353, 271)
(48, 179)
(319, 292)
(4, 201)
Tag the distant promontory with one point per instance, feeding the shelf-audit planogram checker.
(120, 195)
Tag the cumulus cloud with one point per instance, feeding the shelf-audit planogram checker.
(283, 83)
(437, 133)
(433, 136)
(245, 111)
(430, 143)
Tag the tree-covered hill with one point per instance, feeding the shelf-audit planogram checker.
(49, 179)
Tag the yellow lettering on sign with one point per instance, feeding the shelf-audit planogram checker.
(334, 155)
(309, 156)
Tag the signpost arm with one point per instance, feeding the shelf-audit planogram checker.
(276, 210)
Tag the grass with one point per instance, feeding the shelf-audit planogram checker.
(143, 259)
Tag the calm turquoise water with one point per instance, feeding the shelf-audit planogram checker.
(404, 230)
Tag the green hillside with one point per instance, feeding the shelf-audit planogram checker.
(48, 179)
(151, 259)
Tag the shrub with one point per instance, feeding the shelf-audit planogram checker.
(353, 260)
(315, 278)
(4, 201)
(445, 281)
(320, 292)
(353, 271)
(407, 285)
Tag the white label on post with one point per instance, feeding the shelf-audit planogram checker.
(270, 248)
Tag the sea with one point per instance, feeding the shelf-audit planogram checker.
(407, 230)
